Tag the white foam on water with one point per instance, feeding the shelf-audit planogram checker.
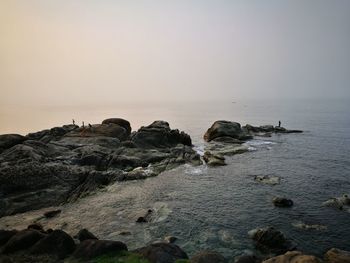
(259, 143)
(199, 149)
(195, 170)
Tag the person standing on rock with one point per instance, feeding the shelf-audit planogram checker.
(279, 123)
(73, 121)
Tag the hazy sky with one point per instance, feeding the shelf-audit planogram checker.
(70, 52)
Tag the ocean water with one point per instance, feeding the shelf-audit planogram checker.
(215, 208)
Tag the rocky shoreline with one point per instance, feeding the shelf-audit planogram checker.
(62, 164)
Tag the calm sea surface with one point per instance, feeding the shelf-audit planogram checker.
(216, 207)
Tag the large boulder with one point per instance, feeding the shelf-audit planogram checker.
(162, 253)
(214, 159)
(108, 130)
(293, 257)
(85, 234)
(22, 240)
(159, 135)
(335, 255)
(9, 140)
(208, 257)
(57, 243)
(270, 240)
(121, 122)
(91, 248)
(225, 129)
(5, 235)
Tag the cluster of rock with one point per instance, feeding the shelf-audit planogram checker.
(227, 137)
(61, 164)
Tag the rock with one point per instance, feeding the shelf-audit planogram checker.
(341, 203)
(22, 240)
(146, 218)
(36, 226)
(335, 255)
(225, 129)
(293, 257)
(121, 122)
(57, 243)
(170, 239)
(92, 248)
(162, 253)
(9, 140)
(207, 257)
(265, 179)
(282, 202)
(266, 130)
(227, 139)
(247, 259)
(213, 160)
(85, 234)
(52, 213)
(5, 235)
(271, 240)
(159, 135)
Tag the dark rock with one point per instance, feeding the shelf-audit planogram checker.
(9, 140)
(36, 226)
(282, 202)
(159, 135)
(85, 234)
(146, 218)
(247, 259)
(162, 253)
(121, 122)
(207, 257)
(22, 240)
(92, 248)
(57, 243)
(52, 213)
(96, 130)
(226, 129)
(227, 139)
(335, 255)
(141, 219)
(5, 235)
(271, 240)
(170, 239)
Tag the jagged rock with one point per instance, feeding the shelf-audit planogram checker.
(282, 202)
(207, 257)
(226, 129)
(57, 243)
(213, 159)
(271, 240)
(159, 135)
(52, 213)
(92, 248)
(85, 234)
(335, 255)
(36, 226)
(247, 259)
(265, 179)
(162, 253)
(341, 203)
(9, 140)
(22, 240)
(293, 257)
(121, 122)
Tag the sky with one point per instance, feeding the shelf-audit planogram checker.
(94, 52)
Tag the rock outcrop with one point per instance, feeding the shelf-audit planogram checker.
(207, 257)
(335, 255)
(293, 257)
(59, 165)
(226, 129)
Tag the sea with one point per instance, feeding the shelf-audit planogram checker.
(216, 207)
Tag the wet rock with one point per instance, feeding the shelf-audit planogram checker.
(207, 257)
(227, 139)
(84, 234)
(22, 240)
(146, 218)
(213, 159)
(271, 240)
(282, 202)
(5, 235)
(9, 140)
(170, 239)
(57, 243)
(140, 173)
(91, 248)
(162, 253)
(121, 122)
(159, 135)
(52, 213)
(335, 255)
(293, 257)
(225, 129)
(267, 130)
(265, 179)
(341, 203)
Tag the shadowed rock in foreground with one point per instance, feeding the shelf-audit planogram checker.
(61, 164)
